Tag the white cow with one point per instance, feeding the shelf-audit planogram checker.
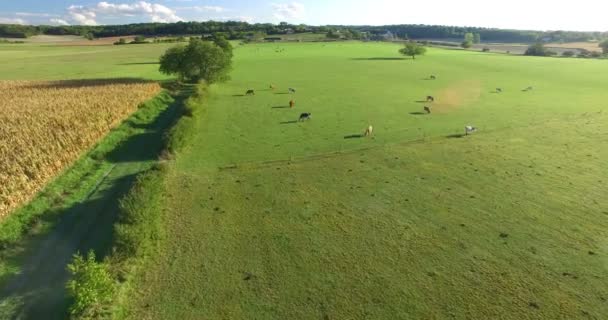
(469, 129)
(369, 131)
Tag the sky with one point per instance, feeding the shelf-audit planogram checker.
(581, 15)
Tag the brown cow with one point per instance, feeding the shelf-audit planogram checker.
(292, 103)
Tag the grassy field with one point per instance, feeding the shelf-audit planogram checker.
(56, 62)
(269, 218)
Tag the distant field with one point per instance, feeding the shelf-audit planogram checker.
(53, 62)
(271, 218)
(46, 126)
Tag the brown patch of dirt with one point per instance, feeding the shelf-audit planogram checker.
(456, 95)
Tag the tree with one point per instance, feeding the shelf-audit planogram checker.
(199, 60)
(139, 39)
(469, 39)
(91, 285)
(221, 42)
(537, 49)
(413, 49)
(121, 41)
(604, 46)
(476, 38)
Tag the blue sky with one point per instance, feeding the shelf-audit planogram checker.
(586, 15)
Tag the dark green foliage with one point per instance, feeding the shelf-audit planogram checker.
(91, 287)
(568, 53)
(199, 60)
(182, 132)
(485, 49)
(604, 46)
(139, 40)
(120, 41)
(466, 44)
(238, 30)
(538, 49)
(413, 49)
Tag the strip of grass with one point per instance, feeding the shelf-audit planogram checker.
(139, 226)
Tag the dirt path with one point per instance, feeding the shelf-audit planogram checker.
(38, 291)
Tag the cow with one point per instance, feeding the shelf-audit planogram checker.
(430, 99)
(498, 90)
(368, 132)
(292, 103)
(427, 109)
(433, 77)
(305, 116)
(292, 90)
(528, 89)
(272, 87)
(250, 92)
(469, 129)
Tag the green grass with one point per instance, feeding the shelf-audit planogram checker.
(269, 219)
(55, 62)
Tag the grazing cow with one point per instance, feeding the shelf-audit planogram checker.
(433, 77)
(427, 109)
(305, 116)
(250, 92)
(272, 87)
(430, 99)
(498, 90)
(292, 90)
(368, 132)
(469, 129)
(292, 103)
(528, 89)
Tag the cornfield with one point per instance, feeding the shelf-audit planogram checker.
(46, 126)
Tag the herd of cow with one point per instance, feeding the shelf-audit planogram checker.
(369, 130)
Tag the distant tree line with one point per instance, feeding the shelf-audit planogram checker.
(242, 30)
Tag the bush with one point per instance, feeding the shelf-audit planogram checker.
(466, 44)
(120, 41)
(485, 49)
(199, 60)
(538, 49)
(568, 54)
(91, 286)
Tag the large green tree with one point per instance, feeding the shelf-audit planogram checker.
(413, 49)
(199, 60)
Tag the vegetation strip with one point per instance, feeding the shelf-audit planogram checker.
(59, 223)
(97, 288)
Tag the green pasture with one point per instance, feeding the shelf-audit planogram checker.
(270, 218)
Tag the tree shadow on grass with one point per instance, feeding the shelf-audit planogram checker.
(282, 93)
(289, 122)
(137, 63)
(380, 59)
(80, 83)
(280, 107)
(418, 113)
(421, 101)
(354, 136)
(455, 136)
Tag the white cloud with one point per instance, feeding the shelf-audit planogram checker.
(289, 11)
(82, 15)
(60, 22)
(12, 21)
(215, 9)
(155, 12)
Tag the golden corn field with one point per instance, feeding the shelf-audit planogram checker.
(46, 126)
